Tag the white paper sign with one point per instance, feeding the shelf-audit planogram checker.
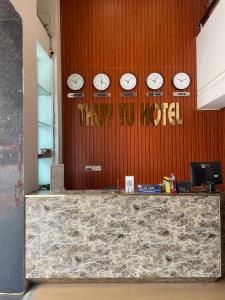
(129, 184)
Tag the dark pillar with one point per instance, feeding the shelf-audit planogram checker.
(11, 151)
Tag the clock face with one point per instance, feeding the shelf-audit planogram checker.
(128, 81)
(154, 81)
(101, 82)
(181, 81)
(75, 82)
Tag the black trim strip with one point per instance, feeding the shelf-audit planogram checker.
(208, 12)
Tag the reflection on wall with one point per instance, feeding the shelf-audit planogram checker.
(11, 150)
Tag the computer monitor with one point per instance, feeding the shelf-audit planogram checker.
(206, 173)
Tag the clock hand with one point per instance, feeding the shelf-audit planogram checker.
(156, 78)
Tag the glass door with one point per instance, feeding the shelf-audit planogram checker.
(45, 116)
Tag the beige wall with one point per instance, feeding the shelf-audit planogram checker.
(211, 61)
(32, 32)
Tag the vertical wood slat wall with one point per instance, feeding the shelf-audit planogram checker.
(137, 36)
(222, 137)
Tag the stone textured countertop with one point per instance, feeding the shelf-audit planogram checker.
(46, 193)
(105, 236)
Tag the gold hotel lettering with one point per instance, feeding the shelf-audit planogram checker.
(155, 113)
(94, 115)
(126, 114)
(101, 114)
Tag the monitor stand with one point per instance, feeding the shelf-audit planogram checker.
(211, 186)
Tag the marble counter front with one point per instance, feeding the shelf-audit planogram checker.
(96, 236)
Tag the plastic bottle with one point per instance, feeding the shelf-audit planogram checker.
(166, 182)
(173, 183)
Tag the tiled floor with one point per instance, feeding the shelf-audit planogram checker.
(197, 291)
(11, 297)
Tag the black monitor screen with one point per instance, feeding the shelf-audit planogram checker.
(206, 172)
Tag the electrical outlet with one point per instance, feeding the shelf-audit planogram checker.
(89, 168)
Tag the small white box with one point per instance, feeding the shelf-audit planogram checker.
(57, 178)
(129, 184)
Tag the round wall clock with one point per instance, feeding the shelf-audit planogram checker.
(101, 82)
(128, 81)
(75, 82)
(181, 81)
(154, 81)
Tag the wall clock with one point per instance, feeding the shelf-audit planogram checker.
(154, 81)
(128, 81)
(101, 82)
(75, 82)
(181, 81)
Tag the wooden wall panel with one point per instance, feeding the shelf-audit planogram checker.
(222, 144)
(139, 36)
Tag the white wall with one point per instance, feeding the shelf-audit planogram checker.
(32, 32)
(211, 61)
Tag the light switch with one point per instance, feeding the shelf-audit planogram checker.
(88, 168)
(97, 168)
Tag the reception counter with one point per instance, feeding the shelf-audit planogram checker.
(107, 236)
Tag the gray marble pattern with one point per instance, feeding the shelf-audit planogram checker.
(11, 151)
(7, 11)
(120, 237)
